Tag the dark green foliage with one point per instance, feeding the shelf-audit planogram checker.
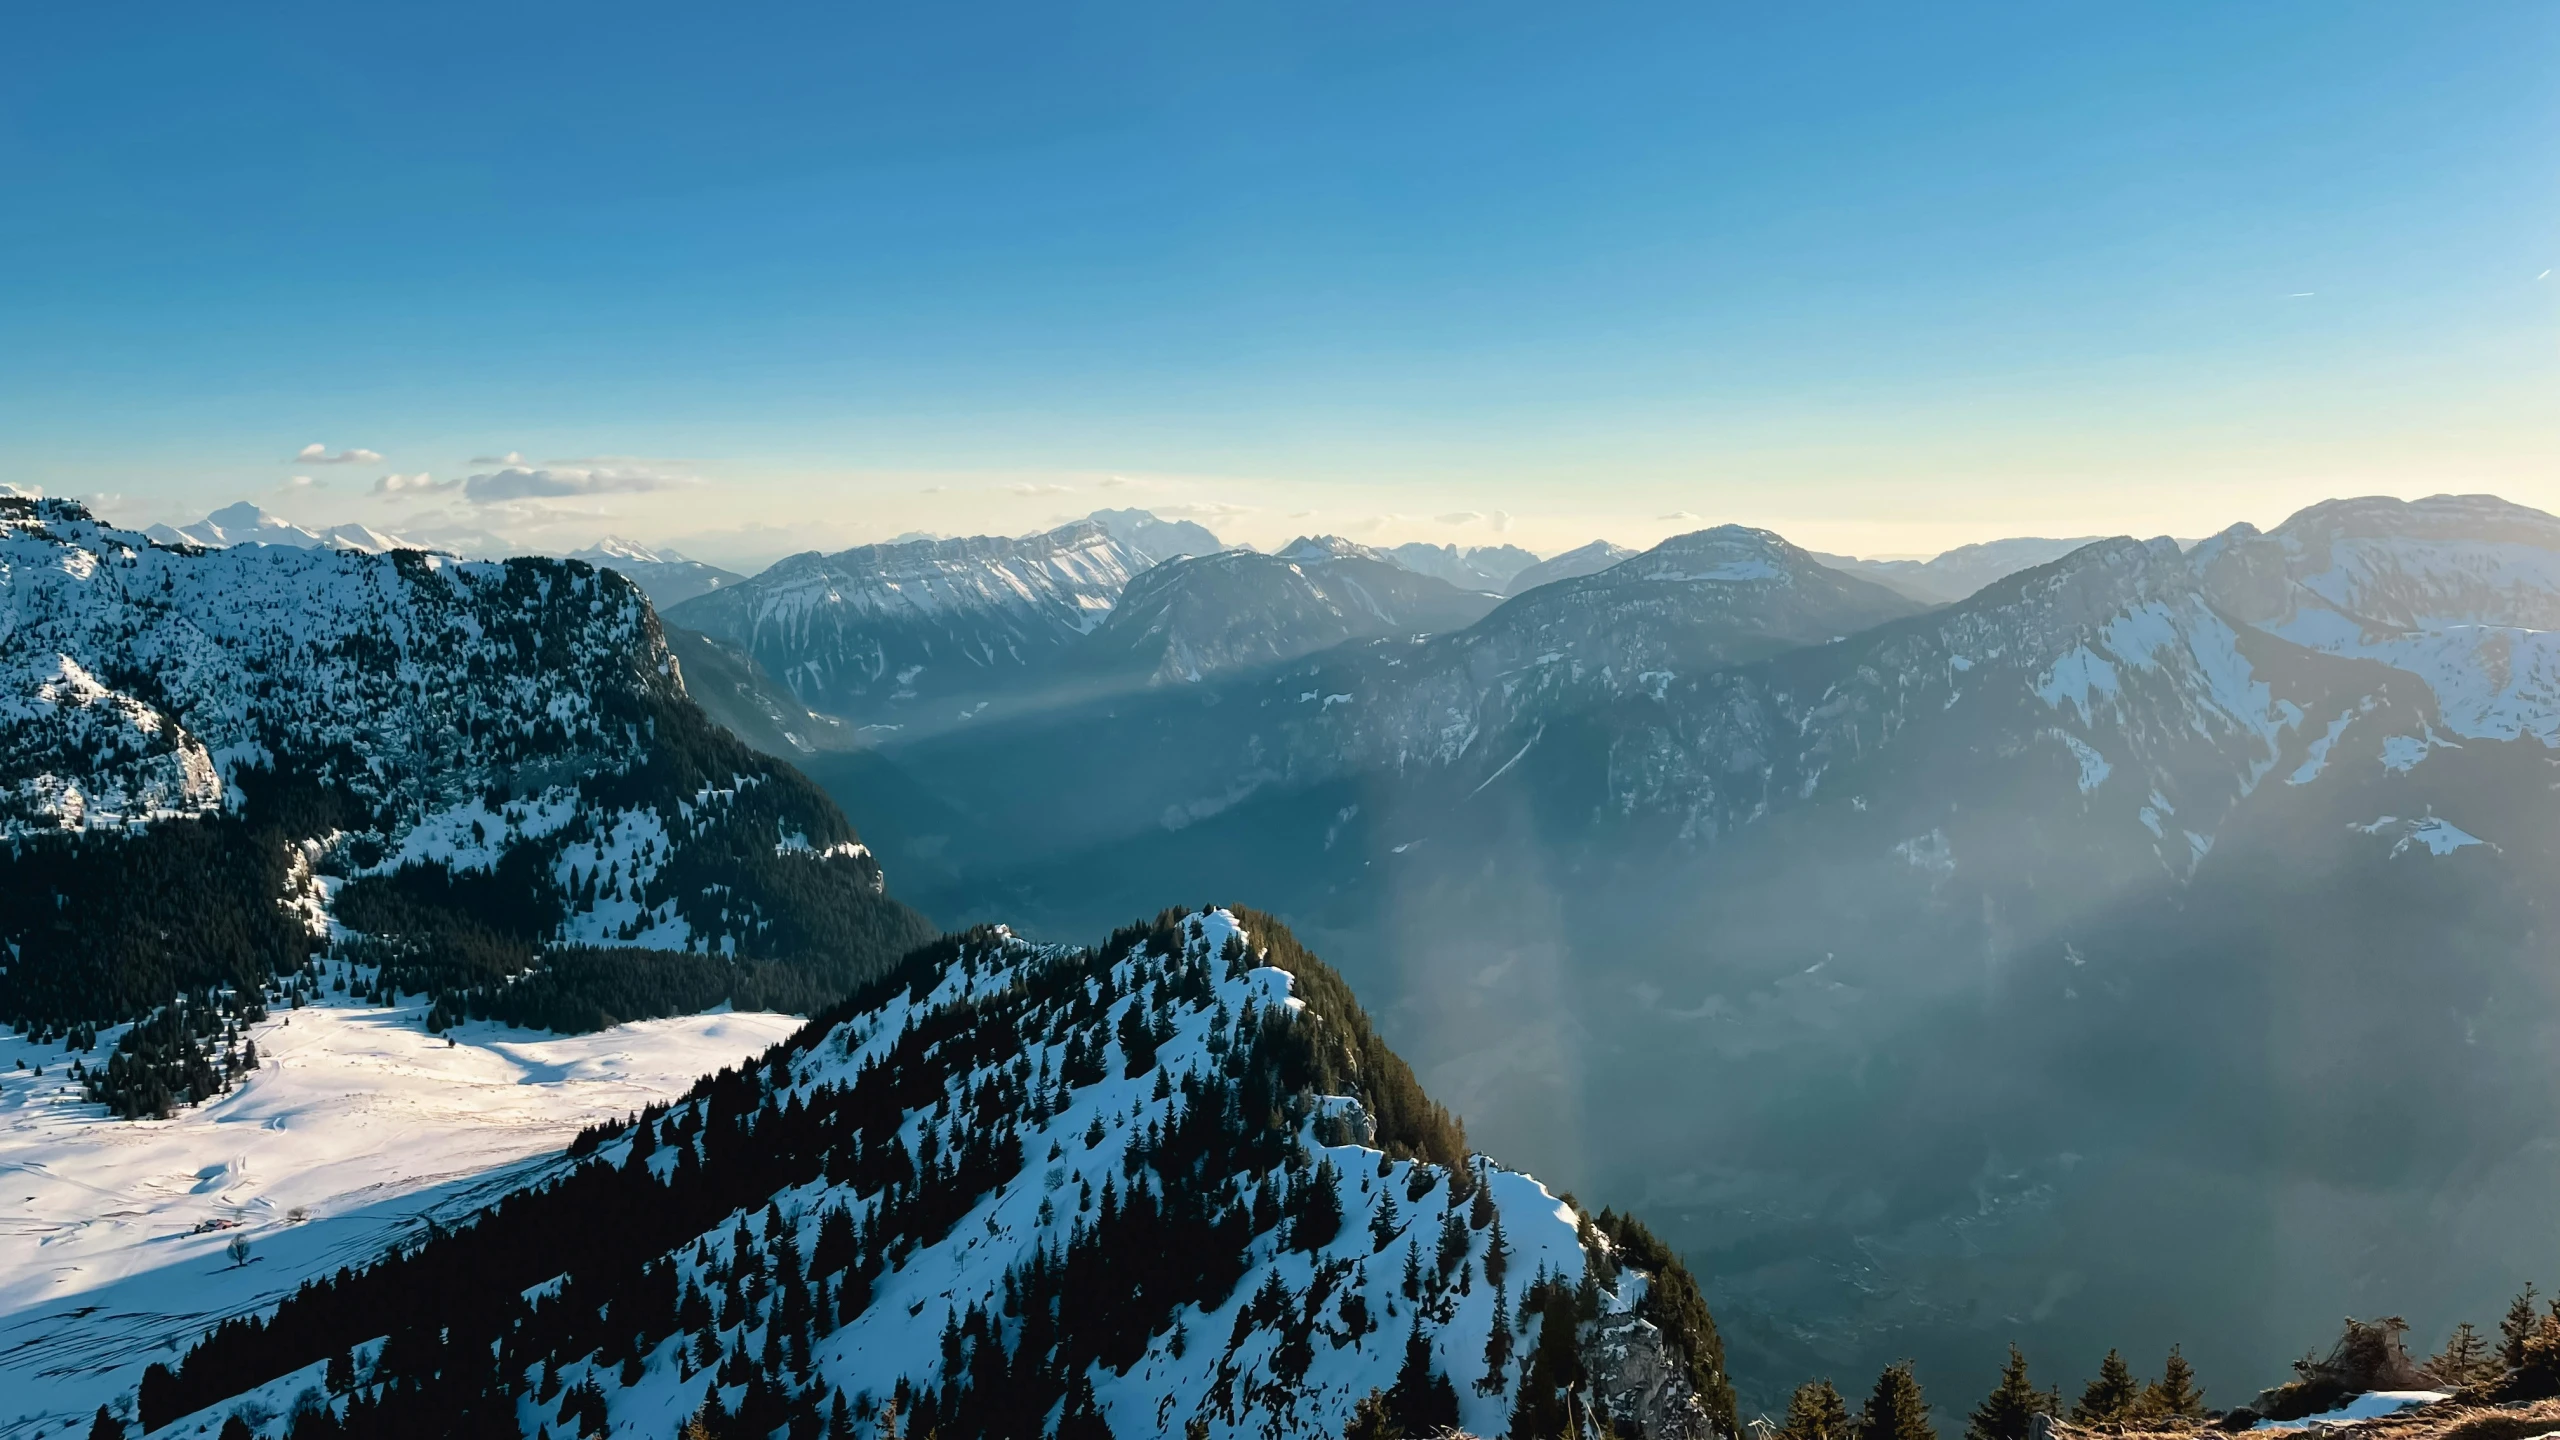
(106, 1426)
(2009, 1411)
(1371, 1420)
(108, 927)
(1815, 1412)
(2175, 1395)
(1554, 1373)
(185, 1053)
(1896, 1410)
(2109, 1398)
(1422, 1401)
(2517, 1327)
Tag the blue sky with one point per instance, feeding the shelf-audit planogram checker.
(1885, 277)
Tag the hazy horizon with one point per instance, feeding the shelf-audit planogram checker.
(1886, 282)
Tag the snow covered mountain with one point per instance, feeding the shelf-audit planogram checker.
(1236, 609)
(1157, 538)
(246, 524)
(1959, 572)
(667, 578)
(2070, 921)
(1588, 559)
(1477, 567)
(906, 634)
(214, 761)
(1172, 1185)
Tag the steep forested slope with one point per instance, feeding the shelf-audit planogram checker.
(1174, 1185)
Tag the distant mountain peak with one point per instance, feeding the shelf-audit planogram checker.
(1154, 536)
(1330, 547)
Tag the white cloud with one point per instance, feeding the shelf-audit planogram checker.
(1117, 482)
(352, 455)
(421, 483)
(302, 482)
(1214, 511)
(1678, 515)
(1460, 517)
(1028, 489)
(562, 482)
(512, 457)
(1502, 522)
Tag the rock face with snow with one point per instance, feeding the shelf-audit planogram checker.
(1174, 1185)
(1478, 567)
(192, 739)
(2067, 922)
(902, 634)
(1234, 610)
(1586, 560)
(666, 577)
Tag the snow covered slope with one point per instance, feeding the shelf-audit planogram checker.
(1174, 1186)
(358, 1132)
(900, 634)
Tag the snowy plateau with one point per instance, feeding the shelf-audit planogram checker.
(357, 1133)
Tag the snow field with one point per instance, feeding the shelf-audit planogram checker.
(357, 1129)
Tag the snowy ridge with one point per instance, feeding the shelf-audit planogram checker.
(1033, 1183)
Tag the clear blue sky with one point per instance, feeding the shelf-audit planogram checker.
(1886, 277)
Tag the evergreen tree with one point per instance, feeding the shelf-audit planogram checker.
(1422, 1401)
(340, 1377)
(2176, 1396)
(1371, 1420)
(1497, 1254)
(1082, 1419)
(2464, 1359)
(2110, 1398)
(1897, 1410)
(2518, 1327)
(1497, 1347)
(106, 1426)
(2011, 1407)
(1815, 1412)
(1383, 1223)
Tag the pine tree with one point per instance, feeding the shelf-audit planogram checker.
(1815, 1412)
(1497, 1347)
(1897, 1410)
(2518, 1327)
(340, 1377)
(1497, 1255)
(2464, 1359)
(2176, 1396)
(2011, 1407)
(1371, 1420)
(1422, 1401)
(1383, 1223)
(2108, 1399)
(106, 1426)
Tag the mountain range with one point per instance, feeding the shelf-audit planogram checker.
(2142, 949)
